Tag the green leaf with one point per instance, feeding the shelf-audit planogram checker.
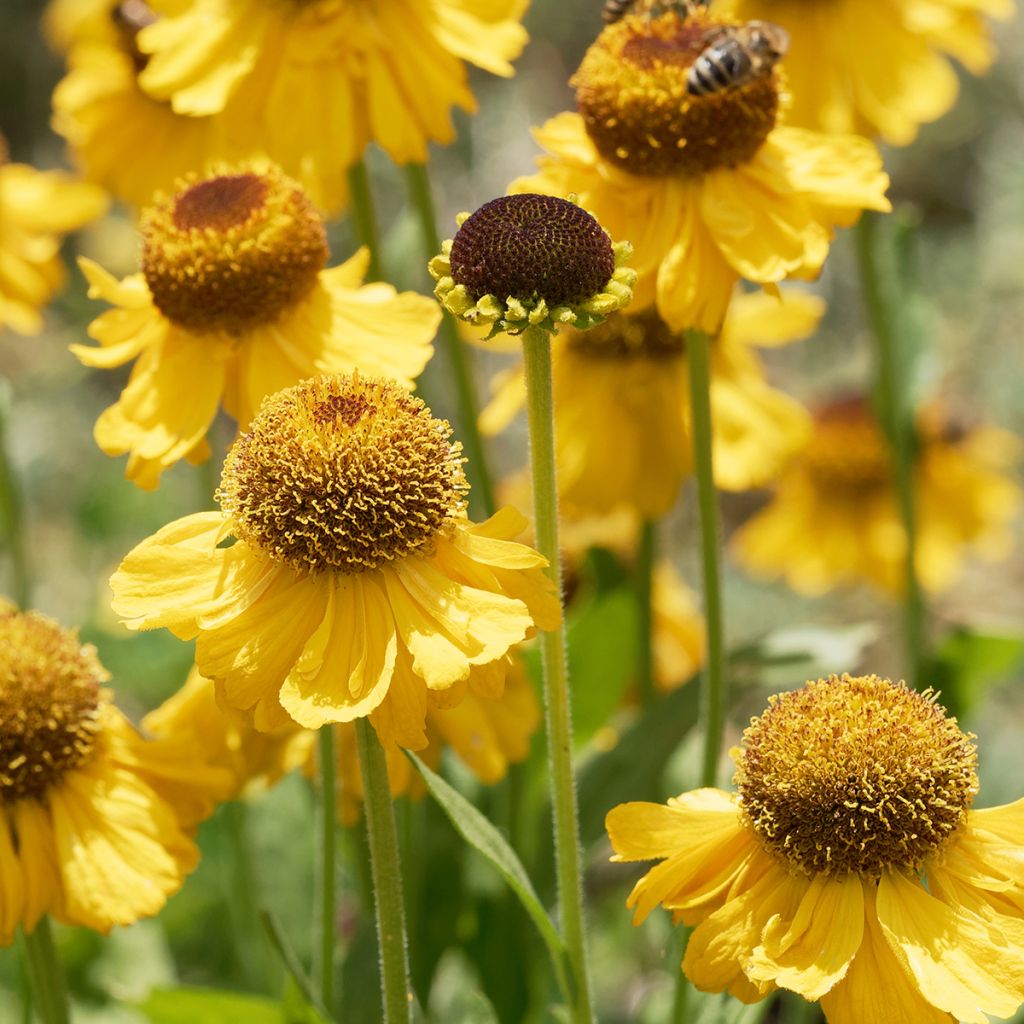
(968, 663)
(484, 837)
(208, 1006)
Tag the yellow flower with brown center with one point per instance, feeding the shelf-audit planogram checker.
(95, 821)
(848, 867)
(834, 518)
(876, 67)
(234, 303)
(36, 209)
(355, 585)
(709, 187)
(120, 138)
(622, 411)
(312, 82)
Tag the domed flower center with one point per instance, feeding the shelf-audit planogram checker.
(530, 247)
(634, 93)
(232, 252)
(855, 774)
(49, 702)
(343, 473)
(643, 336)
(847, 452)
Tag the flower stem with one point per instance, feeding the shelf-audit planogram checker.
(713, 695)
(387, 875)
(326, 916)
(12, 521)
(558, 714)
(644, 593)
(459, 356)
(896, 416)
(45, 975)
(364, 215)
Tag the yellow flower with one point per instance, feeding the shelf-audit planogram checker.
(95, 821)
(121, 138)
(677, 629)
(487, 734)
(355, 585)
(877, 67)
(233, 303)
(226, 738)
(622, 411)
(66, 22)
(834, 518)
(849, 867)
(314, 82)
(708, 188)
(36, 209)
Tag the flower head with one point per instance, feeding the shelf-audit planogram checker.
(839, 491)
(877, 67)
(94, 820)
(623, 420)
(705, 182)
(848, 864)
(234, 303)
(355, 586)
(532, 261)
(36, 209)
(327, 78)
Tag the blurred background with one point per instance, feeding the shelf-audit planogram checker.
(961, 184)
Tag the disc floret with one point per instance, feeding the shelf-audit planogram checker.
(855, 774)
(233, 250)
(532, 261)
(50, 700)
(343, 473)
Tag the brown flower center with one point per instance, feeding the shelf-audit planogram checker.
(855, 774)
(49, 703)
(344, 474)
(232, 252)
(847, 453)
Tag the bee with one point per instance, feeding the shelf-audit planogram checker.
(615, 10)
(735, 56)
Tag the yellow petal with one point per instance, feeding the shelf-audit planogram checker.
(44, 890)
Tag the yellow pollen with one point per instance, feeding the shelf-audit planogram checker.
(641, 336)
(233, 251)
(855, 774)
(49, 703)
(847, 453)
(631, 90)
(344, 474)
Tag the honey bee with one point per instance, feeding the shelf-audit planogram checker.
(736, 55)
(615, 10)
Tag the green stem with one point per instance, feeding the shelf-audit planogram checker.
(387, 875)
(897, 421)
(364, 216)
(458, 354)
(558, 714)
(713, 695)
(326, 917)
(682, 993)
(645, 611)
(45, 975)
(12, 521)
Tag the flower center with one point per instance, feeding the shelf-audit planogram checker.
(636, 95)
(847, 452)
(49, 702)
(643, 336)
(531, 247)
(232, 252)
(855, 774)
(343, 473)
